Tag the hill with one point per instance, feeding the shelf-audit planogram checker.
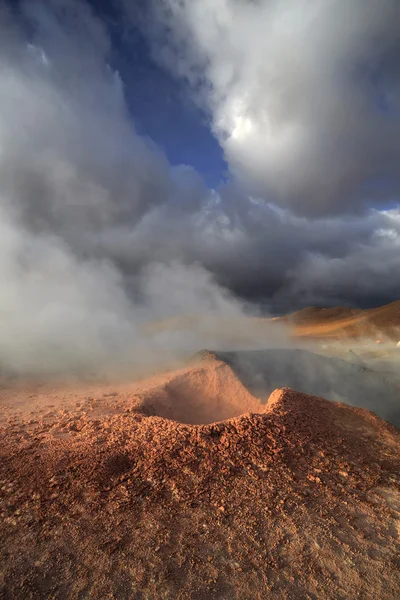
(341, 322)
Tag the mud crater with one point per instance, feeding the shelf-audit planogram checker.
(201, 396)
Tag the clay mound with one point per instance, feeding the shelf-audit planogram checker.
(100, 501)
(199, 395)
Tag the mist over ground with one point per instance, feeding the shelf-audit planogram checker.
(101, 237)
(263, 371)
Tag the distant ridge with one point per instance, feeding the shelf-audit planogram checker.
(346, 322)
(314, 314)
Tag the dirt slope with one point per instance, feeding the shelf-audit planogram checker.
(296, 499)
(341, 322)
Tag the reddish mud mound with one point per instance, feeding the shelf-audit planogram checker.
(297, 500)
(341, 322)
(200, 395)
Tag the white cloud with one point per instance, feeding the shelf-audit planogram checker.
(304, 95)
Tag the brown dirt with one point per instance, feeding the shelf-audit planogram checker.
(298, 499)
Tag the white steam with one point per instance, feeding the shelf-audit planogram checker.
(78, 285)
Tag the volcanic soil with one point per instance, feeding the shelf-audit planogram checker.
(187, 486)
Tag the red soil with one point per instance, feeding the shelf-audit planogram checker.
(298, 499)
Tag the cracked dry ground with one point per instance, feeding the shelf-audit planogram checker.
(104, 495)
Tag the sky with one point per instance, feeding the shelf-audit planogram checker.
(160, 105)
(169, 157)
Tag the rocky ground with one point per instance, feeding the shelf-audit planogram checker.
(132, 491)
